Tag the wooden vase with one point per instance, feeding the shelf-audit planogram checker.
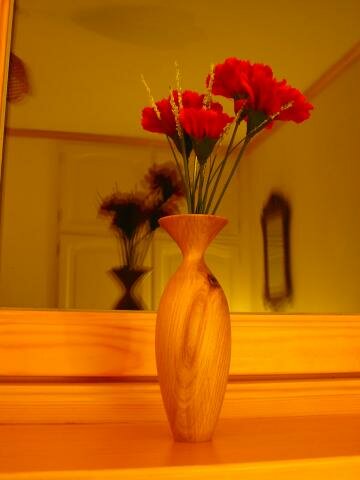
(193, 339)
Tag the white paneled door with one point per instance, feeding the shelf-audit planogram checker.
(88, 249)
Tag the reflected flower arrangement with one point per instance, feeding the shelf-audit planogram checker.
(135, 215)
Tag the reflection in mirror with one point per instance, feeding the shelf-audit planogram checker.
(275, 222)
(73, 137)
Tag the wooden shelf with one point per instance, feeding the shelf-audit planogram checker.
(79, 400)
(241, 442)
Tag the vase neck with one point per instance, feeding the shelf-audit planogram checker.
(193, 232)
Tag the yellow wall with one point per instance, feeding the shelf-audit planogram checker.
(28, 270)
(316, 166)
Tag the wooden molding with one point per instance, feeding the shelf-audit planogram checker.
(121, 344)
(339, 67)
(86, 137)
(138, 403)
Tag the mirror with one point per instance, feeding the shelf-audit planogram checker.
(74, 135)
(275, 223)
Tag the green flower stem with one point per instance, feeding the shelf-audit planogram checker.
(176, 159)
(245, 140)
(213, 191)
(235, 166)
(195, 175)
(196, 179)
(212, 176)
(253, 132)
(201, 183)
(189, 194)
(223, 161)
(209, 177)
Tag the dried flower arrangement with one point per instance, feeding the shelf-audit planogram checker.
(135, 215)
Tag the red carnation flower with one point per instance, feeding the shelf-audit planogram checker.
(201, 123)
(231, 78)
(300, 108)
(166, 123)
(262, 91)
(190, 99)
(254, 89)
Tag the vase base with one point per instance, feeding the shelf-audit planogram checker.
(195, 436)
(181, 439)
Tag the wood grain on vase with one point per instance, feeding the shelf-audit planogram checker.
(192, 339)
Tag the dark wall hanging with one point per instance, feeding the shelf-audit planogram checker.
(275, 222)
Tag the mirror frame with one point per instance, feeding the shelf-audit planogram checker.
(6, 16)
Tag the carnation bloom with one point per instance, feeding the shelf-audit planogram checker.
(231, 78)
(166, 123)
(204, 126)
(300, 107)
(201, 123)
(254, 89)
(151, 122)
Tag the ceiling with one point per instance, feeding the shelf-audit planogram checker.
(85, 57)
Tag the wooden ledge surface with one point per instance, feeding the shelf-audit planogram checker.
(242, 441)
(339, 468)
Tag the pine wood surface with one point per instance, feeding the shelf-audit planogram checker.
(29, 448)
(110, 344)
(339, 468)
(139, 403)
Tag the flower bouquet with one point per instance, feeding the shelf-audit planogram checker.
(196, 126)
(135, 218)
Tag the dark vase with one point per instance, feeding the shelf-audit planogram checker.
(129, 279)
